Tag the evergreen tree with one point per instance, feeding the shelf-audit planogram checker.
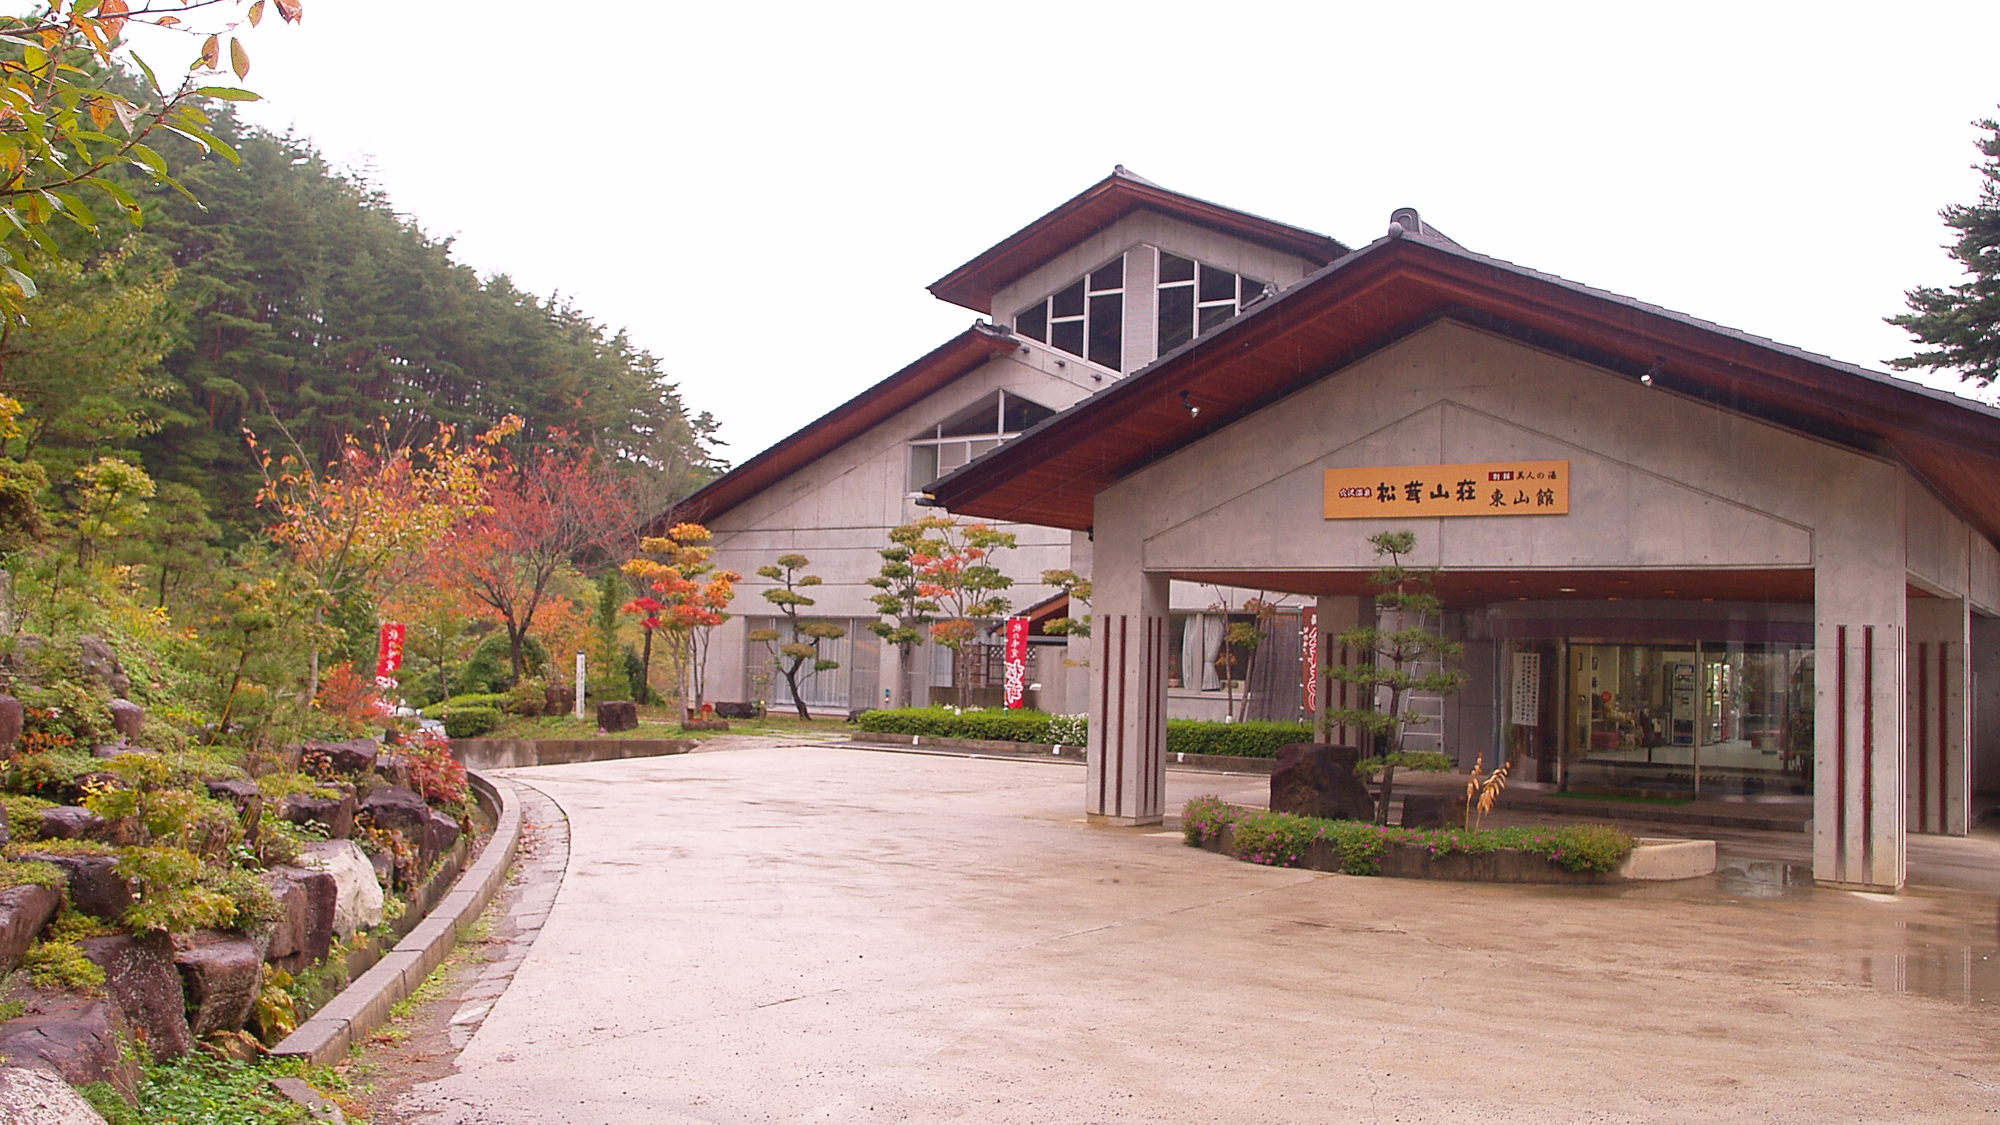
(1962, 324)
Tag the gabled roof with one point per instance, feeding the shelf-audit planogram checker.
(1403, 282)
(1098, 206)
(878, 403)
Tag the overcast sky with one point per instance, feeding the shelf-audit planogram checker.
(760, 193)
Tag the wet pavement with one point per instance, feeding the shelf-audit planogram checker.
(772, 932)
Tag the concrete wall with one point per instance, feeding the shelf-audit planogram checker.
(1657, 481)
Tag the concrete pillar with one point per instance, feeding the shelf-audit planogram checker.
(1939, 678)
(1337, 615)
(1076, 659)
(1127, 756)
(1859, 804)
(1985, 678)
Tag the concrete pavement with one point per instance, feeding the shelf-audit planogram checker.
(767, 932)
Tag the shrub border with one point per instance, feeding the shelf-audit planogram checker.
(364, 1005)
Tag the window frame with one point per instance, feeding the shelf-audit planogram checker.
(1085, 320)
(1244, 289)
(987, 440)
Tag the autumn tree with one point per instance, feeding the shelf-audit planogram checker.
(547, 508)
(67, 121)
(694, 597)
(372, 514)
(907, 612)
(951, 563)
(798, 642)
(1401, 652)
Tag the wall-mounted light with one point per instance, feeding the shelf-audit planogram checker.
(1193, 410)
(1652, 372)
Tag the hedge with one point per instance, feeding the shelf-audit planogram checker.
(477, 699)
(944, 722)
(1184, 736)
(1242, 740)
(468, 721)
(1281, 839)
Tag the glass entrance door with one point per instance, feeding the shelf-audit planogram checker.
(1680, 720)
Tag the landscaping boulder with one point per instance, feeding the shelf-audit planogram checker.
(335, 815)
(617, 714)
(23, 913)
(30, 1096)
(248, 799)
(1426, 810)
(140, 977)
(395, 768)
(354, 756)
(357, 895)
(11, 717)
(119, 749)
(101, 664)
(558, 699)
(736, 710)
(69, 822)
(1315, 779)
(127, 717)
(220, 975)
(395, 807)
(6, 827)
(79, 1039)
(95, 886)
(385, 868)
(440, 832)
(303, 933)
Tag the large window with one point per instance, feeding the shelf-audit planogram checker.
(1084, 318)
(1195, 297)
(969, 433)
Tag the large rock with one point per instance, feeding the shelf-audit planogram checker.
(1427, 810)
(127, 717)
(220, 975)
(357, 896)
(11, 718)
(70, 822)
(558, 699)
(247, 798)
(334, 815)
(439, 834)
(30, 1096)
(354, 756)
(79, 1039)
(398, 809)
(140, 977)
(303, 933)
(394, 768)
(23, 913)
(1315, 779)
(101, 664)
(95, 886)
(617, 715)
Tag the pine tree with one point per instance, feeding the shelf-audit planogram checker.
(1962, 323)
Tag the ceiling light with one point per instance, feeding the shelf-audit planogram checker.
(1565, 589)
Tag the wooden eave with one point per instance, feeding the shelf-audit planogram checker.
(936, 370)
(1395, 286)
(973, 284)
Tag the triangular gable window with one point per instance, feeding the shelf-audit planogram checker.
(970, 432)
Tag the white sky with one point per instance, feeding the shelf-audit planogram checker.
(759, 193)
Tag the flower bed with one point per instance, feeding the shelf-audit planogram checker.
(1577, 852)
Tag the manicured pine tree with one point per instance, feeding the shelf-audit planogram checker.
(806, 634)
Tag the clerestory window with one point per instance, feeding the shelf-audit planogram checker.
(1085, 318)
(1196, 297)
(969, 433)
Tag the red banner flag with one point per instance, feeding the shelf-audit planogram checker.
(389, 656)
(1017, 661)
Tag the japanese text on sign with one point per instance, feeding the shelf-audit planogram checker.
(1500, 488)
(1017, 661)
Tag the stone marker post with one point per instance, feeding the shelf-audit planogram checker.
(579, 684)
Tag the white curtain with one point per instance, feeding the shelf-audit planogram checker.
(1201, 641)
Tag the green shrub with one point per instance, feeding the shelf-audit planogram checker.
(469, 722)
(1243, 740)
(478, 699)
(528, 698)
(1281, 839)
(57, 962)
(51, 774)
(171, 896)
(998, 725)
(24, 815)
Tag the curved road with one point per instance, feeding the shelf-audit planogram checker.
(764, 932)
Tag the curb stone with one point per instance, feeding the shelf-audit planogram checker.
(364, 1005)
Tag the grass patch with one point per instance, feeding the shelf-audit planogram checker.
(201, 1089)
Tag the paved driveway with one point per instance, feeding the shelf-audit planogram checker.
(787, 933)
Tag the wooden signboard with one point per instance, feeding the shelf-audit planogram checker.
(1500, 488)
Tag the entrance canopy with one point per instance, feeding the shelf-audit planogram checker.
(1369, 299)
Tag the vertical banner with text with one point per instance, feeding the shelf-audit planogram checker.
(1017, 661)
(389, 656)
(1309, 657)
